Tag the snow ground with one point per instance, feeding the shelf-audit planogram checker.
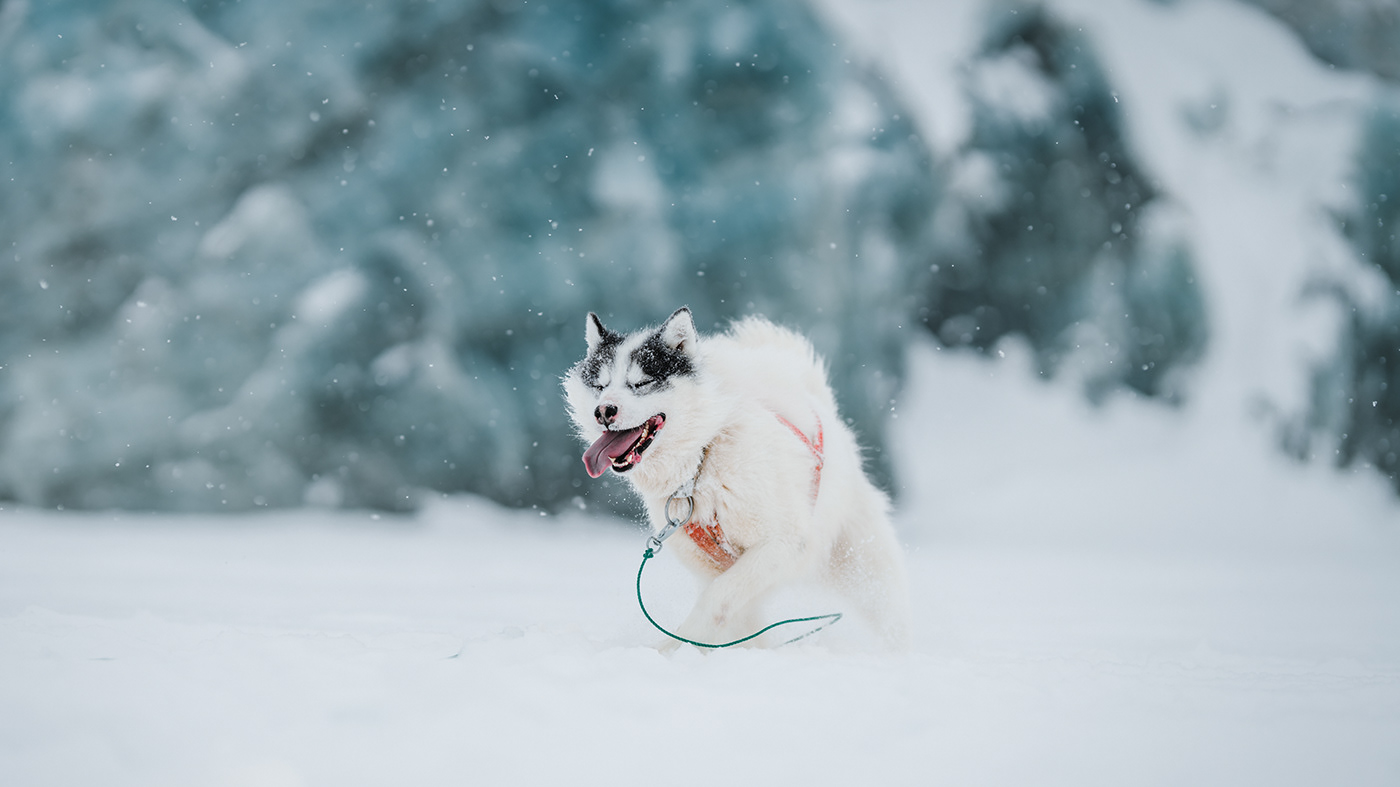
(1122, 595)
(476, 645)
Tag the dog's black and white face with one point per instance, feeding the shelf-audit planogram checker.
(620, 393)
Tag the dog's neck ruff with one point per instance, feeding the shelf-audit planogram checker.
(709, 537)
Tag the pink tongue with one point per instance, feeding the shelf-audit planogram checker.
(607, 448)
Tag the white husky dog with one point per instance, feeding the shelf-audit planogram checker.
(746, 425)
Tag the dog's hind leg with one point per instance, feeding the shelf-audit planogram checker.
(867, 566)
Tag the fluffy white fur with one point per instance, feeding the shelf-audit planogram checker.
(756, 478)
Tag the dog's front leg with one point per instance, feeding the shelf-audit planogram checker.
(727, 603)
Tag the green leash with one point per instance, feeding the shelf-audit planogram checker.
(649, 554)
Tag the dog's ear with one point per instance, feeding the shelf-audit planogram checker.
(678, 332)
(594, 331)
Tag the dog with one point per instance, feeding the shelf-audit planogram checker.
(746, 426)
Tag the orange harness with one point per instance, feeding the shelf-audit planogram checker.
(710, 538)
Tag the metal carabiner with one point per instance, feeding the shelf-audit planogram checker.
(672, 522)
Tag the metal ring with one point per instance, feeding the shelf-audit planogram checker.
(690, 509)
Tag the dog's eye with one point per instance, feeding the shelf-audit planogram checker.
(640, 384)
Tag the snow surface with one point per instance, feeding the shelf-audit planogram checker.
(1124, 595)
(1163, 606)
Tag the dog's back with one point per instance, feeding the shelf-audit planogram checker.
(773, 366)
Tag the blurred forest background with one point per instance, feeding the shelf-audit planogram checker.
(266, 253)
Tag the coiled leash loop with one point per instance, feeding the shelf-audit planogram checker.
(684, 496)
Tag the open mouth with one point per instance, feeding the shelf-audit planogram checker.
(622, 450)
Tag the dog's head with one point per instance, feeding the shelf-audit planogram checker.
(620, 394)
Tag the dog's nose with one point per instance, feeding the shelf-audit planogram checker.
(605, 413)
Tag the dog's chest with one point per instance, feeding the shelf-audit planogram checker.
(729, 517)
(755, 483)
(719, 528)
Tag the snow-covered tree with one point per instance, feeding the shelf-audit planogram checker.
(1052, 231)
(1361, 34)
(261, 253)
(1356, 395)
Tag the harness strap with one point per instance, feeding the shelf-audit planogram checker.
(815, 446)
(710, 538)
